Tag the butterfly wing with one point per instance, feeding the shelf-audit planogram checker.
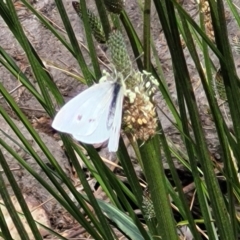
(116, 124)
(84, 115)
(99, 135)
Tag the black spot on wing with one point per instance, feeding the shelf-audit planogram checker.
(92, 120)
(112, 107)
(79, 117)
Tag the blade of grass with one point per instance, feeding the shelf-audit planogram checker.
(39, 72)
(74, 42)
(103, 16)
(49, 25)
(187, 214)
(10, 65)
(44, 167)
(9, 205)
(88, 34)
(154, 172)
(146, 34)
(61, 197)
(123, 221)
(184, 85)
(29, 50)
(4, 228)
(106, 230)
(109, 182)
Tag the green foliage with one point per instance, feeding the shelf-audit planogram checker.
(218, 214)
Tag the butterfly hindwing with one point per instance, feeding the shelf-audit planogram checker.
(100, 134)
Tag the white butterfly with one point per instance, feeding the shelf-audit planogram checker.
(95, 115)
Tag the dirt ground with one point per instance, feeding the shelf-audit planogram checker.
(52, 52)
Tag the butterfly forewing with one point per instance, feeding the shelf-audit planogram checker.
(117, 121)
(113, 105)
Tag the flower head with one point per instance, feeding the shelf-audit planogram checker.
(139, 116)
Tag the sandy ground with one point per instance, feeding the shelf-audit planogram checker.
(52, 52)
